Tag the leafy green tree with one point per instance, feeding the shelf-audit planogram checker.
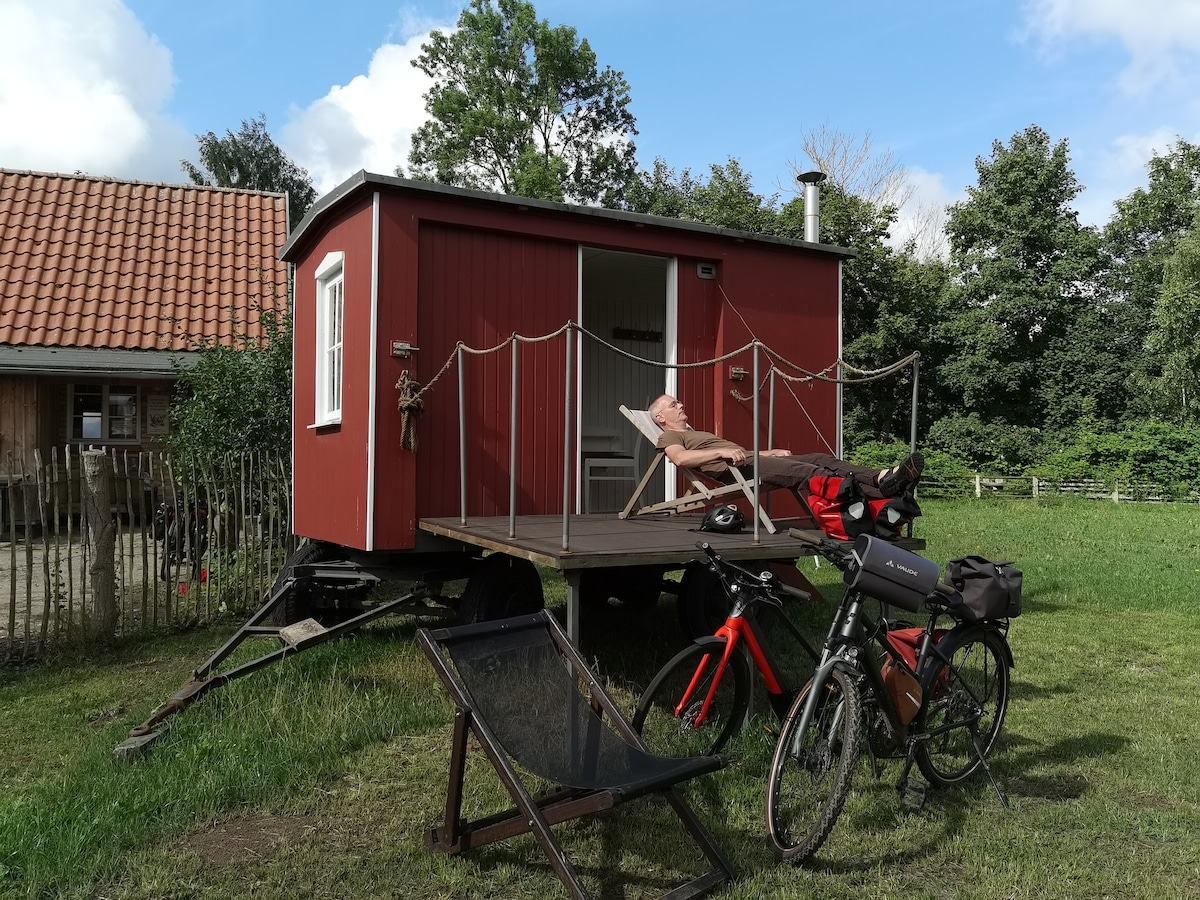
(1174, 340)
(727, 199)
(660, 192)
(251, 160)
(236, 399)
(1142, 235)
(1024, 269)
(520, 107)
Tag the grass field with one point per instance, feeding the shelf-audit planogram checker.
(319, 777)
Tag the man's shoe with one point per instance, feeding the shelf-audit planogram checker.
(903, 477)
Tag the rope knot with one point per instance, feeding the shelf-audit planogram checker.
(410, 405)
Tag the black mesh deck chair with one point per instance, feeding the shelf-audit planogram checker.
(515, 684)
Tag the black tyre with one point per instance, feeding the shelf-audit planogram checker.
(813, 767)
(966, 685)
(670, 730)
(628, 587)
(500, 587)
(327, 604)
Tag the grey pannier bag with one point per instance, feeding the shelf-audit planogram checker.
(990, 590)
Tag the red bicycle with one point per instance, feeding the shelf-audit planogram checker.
(702, 697)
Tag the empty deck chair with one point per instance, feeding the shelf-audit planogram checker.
(515, 685)
(699, 494)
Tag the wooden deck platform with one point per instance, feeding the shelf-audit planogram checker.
(600, 541)
(605, 541)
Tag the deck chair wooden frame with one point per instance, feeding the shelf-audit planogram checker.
(489, 666)
(699, 495)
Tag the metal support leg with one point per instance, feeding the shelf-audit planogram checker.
(573, 577)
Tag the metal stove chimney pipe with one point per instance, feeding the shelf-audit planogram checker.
(812, 204)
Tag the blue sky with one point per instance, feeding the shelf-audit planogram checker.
(121, 87)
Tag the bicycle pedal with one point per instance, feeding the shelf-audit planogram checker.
(912, 793)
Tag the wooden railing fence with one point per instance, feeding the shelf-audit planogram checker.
(189, 543)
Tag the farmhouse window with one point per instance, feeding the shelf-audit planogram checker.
(330, 331)
(103, 412)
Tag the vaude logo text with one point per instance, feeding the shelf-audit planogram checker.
(905, 569)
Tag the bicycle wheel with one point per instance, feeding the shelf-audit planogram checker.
(812, 769)
(966, 699)
(671, 730)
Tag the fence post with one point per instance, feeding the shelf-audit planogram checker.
(1116, 491)
(1035, 486)
(101, 537)
(978, 487)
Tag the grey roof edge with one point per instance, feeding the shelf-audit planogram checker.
(83, 362)
(362, 180)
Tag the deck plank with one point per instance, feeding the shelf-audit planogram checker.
(598, 541)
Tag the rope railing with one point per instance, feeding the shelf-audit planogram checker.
(413, 397)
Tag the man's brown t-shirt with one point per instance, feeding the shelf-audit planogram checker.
(698, 440)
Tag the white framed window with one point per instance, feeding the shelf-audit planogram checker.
(104, 412)
(331, 314)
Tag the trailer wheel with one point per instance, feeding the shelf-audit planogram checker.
(632, 587)
(500, 587)
(702, 605)
(328, 605)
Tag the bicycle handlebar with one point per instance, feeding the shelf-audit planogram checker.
(767, 581)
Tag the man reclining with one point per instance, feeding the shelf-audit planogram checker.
(712, 455)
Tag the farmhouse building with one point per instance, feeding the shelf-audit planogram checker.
(105, 285)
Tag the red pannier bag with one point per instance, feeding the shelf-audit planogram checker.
(839, 507)
(891, 514)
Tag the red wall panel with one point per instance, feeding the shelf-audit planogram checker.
(330, 464)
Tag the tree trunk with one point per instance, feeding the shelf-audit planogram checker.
(101, 537)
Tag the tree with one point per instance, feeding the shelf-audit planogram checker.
(236, 399)
(251, 160)
(1024, 268)
(520, 107)
(1142, 235)
(1174, 341)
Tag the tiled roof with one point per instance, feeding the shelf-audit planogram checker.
(96, 262)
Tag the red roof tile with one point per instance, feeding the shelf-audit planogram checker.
(97, 262)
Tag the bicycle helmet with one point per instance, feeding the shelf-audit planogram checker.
(725, 519)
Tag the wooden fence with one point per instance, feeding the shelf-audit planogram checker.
(184, 544)
(1015, 487)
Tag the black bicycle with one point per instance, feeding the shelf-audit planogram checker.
(932, 696)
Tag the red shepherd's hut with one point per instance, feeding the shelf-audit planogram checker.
(391, 276)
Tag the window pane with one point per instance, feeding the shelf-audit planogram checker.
(122, 413)
(87, 412)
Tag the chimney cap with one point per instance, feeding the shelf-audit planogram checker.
(813, 177)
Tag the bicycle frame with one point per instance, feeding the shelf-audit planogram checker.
(844, 645)
(738, 628)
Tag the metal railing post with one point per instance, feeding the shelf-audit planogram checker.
(569, 413)
(462, 438)
(916, 376)
(757, 487)
(770, 422)
(514, 424)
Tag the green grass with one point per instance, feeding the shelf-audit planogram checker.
(318, 777)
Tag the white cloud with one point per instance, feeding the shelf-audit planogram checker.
(366, 124)
(1162, 37)
(922, 216)
(82, 86)
(1121, 169)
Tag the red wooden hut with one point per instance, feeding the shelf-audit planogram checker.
(391, 275)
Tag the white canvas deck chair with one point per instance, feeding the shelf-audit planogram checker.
(699, 494)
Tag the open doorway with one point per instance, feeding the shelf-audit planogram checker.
(628, 300)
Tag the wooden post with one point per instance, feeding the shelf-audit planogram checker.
(101, 537)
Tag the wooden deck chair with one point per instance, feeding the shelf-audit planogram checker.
(699, 494)
(515, 684)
